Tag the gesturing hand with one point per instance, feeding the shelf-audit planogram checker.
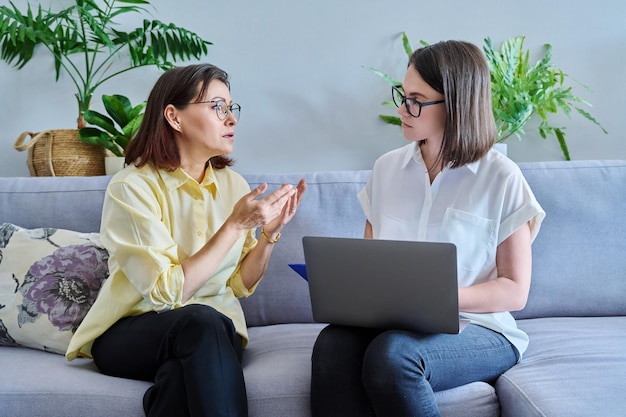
(278, 207)
(289, 209)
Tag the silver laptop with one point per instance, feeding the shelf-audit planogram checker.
(385, 284)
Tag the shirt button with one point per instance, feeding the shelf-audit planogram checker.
(199, 233)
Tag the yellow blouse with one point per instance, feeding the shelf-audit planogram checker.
(152, 220)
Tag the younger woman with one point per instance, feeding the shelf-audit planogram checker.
(447, 185)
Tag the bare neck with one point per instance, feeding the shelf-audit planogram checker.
(432, 158)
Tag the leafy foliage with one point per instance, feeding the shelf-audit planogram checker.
(106, 134)
(519, 91)
(85, 43)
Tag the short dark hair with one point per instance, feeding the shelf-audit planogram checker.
(154, 142)
(460, 72)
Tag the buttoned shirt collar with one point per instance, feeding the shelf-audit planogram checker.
(178, 178)
(414, 153)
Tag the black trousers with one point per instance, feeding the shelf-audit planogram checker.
(192, 354)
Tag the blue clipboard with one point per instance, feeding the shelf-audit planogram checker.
(300, 269)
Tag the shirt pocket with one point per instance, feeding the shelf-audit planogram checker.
(474, 237)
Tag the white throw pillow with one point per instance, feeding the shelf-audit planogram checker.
(49, 278)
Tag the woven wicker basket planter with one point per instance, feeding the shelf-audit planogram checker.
(60, 153)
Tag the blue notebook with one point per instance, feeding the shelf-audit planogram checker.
(300, 269)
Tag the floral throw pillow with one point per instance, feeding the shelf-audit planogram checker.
(49, 278)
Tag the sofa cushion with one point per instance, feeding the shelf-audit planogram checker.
(276, 365)
(73, 203)
(329, 208)
(36, 383)
(574, 366)
(578, 255)
(49, 278)
(277, 368)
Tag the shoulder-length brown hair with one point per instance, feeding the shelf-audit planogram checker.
(155, 142)
(460, 72)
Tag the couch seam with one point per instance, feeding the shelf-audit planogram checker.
(522, 393)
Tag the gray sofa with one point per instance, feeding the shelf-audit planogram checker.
(575, 316)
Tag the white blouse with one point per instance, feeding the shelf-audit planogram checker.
(476, 207)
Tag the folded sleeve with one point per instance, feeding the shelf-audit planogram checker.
(364, 199)
(519, 207)
(132, 228)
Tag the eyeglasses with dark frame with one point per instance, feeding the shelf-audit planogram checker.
(399, 99)
(221, 109)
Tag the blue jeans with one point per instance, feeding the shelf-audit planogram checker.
(371, 372)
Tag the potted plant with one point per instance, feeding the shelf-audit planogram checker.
(115, 131)
(520, 90)
(88, 45)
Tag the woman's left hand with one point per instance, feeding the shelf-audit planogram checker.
(289, 210)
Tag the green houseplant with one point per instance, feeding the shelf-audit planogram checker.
(115, 131)
(88, 45)
(521, 90)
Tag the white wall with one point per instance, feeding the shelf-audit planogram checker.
(297, 69)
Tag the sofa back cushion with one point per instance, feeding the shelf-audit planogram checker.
(329, 208)
(73, 203)
(579, 256)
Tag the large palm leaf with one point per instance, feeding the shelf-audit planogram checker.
(86, 44)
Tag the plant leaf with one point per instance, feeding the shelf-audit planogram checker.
(94, 136)
(560, 135)
(127, 117)
(520, 90)
(385, 77)
(118, 107)
(406, 45)
(100, 120)
(83, 41)
(392, 120)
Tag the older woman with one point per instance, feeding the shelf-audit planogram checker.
(179, 226)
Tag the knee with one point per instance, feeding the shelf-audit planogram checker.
(340, 342)
(203, 315)
(199, 322)
(322, 361)
(388, 363)
(338, 347)
(324, 343)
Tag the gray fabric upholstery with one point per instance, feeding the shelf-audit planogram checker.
(574, 367)
(73, 203)
(578, 257)
(37, 383)
(277, 364)
(329, 208)
(575, 314)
